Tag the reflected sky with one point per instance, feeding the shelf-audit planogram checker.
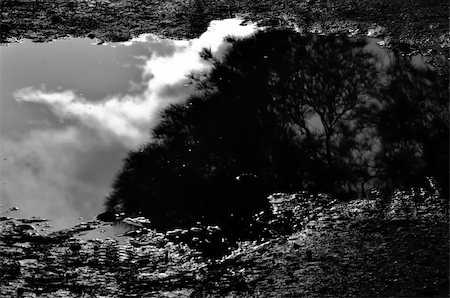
(71, 110)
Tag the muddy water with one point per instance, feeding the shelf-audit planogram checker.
(70, 110)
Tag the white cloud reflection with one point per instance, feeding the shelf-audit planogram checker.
(130, 117)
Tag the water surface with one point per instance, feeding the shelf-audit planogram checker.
(72, 109)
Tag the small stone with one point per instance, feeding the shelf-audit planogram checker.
(196, 229)
(213, 228)
(175, 232)
(378, 31)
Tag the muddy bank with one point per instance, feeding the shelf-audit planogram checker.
(422, 23)
(316, 247)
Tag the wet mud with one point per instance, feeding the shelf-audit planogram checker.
(315, 246)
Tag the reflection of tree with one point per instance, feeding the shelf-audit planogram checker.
(414, 125)
(327, 80)
(282, 112)
(249, 130)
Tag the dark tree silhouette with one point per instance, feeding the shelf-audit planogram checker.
(316, 90)
(414, 125)
(325, 91)
(278, 112)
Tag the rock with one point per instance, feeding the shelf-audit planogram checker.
(196, 229)
(352, 32)
(382, 43)
(213, 228)
(138, 221)
(175, 232)
(376, 32)
(26, 262)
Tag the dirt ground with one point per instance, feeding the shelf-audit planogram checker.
(317, 247)
(419, 24)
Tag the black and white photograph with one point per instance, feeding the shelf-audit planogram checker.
(224, 148)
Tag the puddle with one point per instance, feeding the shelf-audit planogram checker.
(71, 110)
